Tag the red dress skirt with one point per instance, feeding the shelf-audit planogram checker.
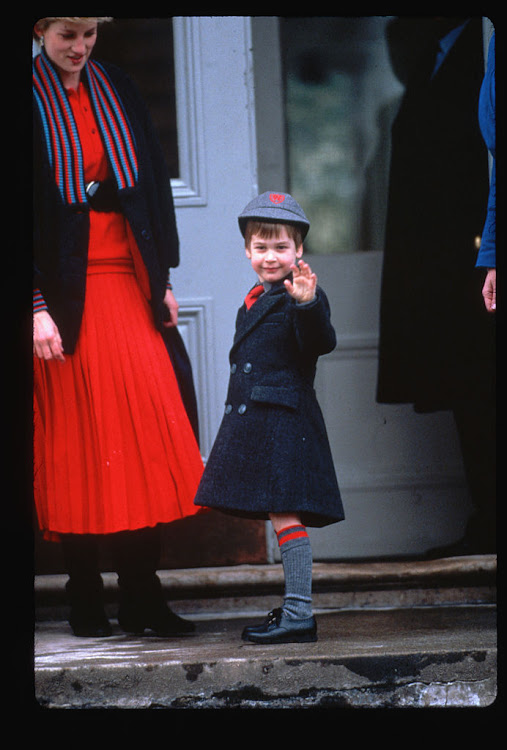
(113, 446)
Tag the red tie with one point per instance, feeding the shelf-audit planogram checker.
(253, 295)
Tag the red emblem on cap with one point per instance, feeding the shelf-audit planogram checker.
(276, 198)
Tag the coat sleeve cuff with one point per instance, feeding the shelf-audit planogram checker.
(39, 303)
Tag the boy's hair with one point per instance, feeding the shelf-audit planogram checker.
(269, 229)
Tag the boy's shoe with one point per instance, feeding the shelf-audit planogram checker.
(278, 628)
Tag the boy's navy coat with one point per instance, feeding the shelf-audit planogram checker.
(272, 452)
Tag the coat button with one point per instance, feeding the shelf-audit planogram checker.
(233, 369)
(228, 408)
(247, 367)
(242, 409)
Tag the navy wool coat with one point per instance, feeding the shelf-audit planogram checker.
(61, 232)
(272, 453)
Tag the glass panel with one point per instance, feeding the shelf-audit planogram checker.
(341, 96)
(143, 48)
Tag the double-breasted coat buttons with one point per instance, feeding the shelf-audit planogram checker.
(246, 369)
(241, 408)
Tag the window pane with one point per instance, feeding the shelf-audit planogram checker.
(143, 48)
(341, 96)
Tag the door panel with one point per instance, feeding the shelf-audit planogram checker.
(216, 135)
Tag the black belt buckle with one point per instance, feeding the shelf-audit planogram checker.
(103, 196)
(91, 188)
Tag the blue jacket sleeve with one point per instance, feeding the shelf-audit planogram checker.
(486, 257)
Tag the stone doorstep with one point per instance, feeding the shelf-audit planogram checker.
(456, 580)
(381, 658)
(382, 642)
(220, 673)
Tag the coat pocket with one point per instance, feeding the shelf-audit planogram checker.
(268, 394)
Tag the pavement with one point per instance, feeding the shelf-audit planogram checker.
(390, 635)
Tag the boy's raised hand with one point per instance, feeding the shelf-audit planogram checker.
(303, 284)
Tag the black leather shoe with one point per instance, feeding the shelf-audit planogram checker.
(278, 628)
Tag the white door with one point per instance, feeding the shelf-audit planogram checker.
(216, 134)
(400, 473)
(217, 178)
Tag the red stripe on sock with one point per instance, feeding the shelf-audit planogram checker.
(297, 533)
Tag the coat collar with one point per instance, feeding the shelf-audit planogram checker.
(248, 319)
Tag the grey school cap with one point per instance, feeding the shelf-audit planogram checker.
(274, 207)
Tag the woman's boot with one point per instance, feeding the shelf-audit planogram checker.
(85, 587)
(142, 604)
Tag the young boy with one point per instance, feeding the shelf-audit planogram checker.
(271, 457)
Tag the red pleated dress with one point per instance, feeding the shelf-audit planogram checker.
(113, 447)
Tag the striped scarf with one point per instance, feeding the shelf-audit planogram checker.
(62, 139)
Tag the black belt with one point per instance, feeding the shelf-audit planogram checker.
(103, 196)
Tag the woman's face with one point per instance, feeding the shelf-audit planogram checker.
(68, 46)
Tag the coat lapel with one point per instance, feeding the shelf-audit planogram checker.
(249, 319)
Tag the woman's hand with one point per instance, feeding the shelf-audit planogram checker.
(173, 307)
(303, 284)
(47, 342)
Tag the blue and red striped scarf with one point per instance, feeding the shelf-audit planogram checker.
(62, 139)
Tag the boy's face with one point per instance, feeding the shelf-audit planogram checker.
(272, 258)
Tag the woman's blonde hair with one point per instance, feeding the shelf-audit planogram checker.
(42, 24)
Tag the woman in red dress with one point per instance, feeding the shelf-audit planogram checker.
(114, 449)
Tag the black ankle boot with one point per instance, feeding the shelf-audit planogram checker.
(85, 587)
(87, 616)
(143, 608)
(142, 603)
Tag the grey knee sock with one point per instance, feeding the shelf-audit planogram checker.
(296, 552)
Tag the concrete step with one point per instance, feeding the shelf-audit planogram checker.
(415, 657)
(411, 634)
(257, 588)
